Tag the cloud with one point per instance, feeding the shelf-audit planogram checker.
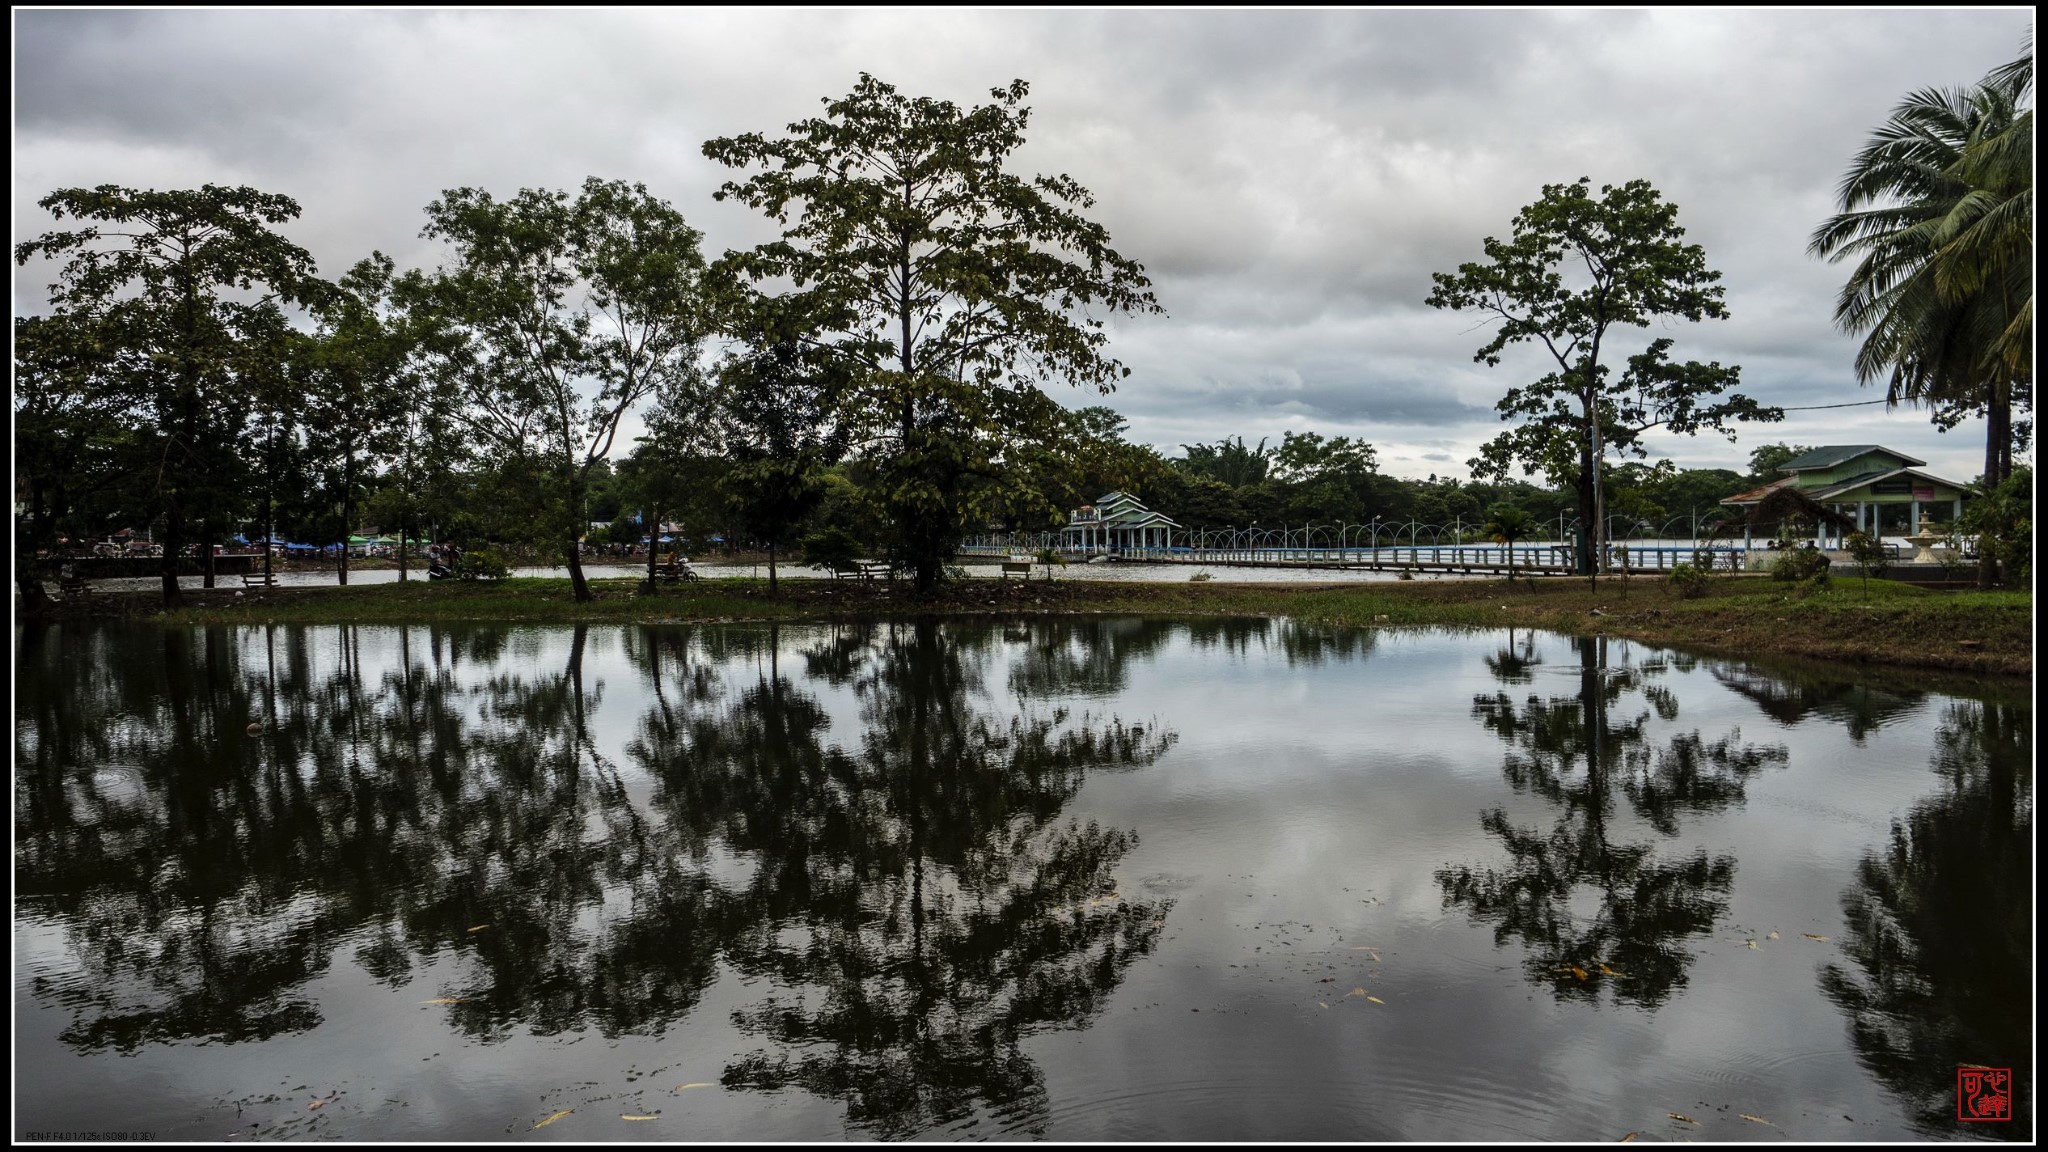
(1289, 180)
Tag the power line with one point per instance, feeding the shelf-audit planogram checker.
(1813, 407)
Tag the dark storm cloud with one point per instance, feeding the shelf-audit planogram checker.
(1289, 180)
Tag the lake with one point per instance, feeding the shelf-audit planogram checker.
(1089, 879)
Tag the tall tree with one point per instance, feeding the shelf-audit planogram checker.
(775, 422)
(1228, 461)
(363, 394)
(1577, 266)
(1937, 212)
(190, 283)
(559, 317)
(953, 286)
(69, 432)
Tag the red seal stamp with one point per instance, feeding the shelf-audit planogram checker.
(1983, 1094)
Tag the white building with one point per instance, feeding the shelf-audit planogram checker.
(1114, 523)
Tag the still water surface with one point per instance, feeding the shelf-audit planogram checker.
(1112, 879)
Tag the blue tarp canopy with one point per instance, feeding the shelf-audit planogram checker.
(301, 548)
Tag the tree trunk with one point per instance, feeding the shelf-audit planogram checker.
(1583, 555)
(174, 543)
(771, 567)
(269, 518)
(28, 584)
(576, 578)
(348, 508)
(653, 542)
(1997, 466)
(206, 564)
(403, 527)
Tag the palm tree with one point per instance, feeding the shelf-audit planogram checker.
(1506, 525)
(1938, 211)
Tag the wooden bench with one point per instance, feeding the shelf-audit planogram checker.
(259, 580)
(74, 586)
(1017, 568)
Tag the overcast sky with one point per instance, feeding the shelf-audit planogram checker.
(1289, 181)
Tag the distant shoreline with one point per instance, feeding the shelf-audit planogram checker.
(1889, 624)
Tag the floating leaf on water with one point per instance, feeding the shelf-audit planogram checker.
(1751, 943)
(1356, 992)
(552, 1119)
(695, 1084)
(623, 1116)
(1605, 970)
(1629, 1137)
(1756, 1119)
(1580, 973)
(1686, 1119)
(479, 928)
(1325, 1006)
(1375, 999)
(446, 1000)
(1811, 936)
(1770, 935)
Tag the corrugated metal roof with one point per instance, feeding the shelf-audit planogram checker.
(1861, 479)
(1839, 454)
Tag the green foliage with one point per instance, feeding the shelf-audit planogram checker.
(1804, 563)
(2002, 521)
(1508, 525)
(69, 434)
(774, 418)
(1937, 212)
(1228, 461)
(170, 306)
(554, 318)
(831, 548)
(951, 287)
(1766, 461)
(1689, 582)
(1576, 267)
(1868, 553)
(485, 563)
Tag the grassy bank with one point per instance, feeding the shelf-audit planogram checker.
(1886, 624)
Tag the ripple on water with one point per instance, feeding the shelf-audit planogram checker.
(1385, 1100)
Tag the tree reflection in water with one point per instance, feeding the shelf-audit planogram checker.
(1580, 752)
(909, 889)
(915, 899)
(1940, 928)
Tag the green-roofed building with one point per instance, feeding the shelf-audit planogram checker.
(1115, 523)
(1867, 481)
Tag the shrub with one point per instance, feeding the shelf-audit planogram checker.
(1802, 563)
(1869, 554)
(1689, 582)
(485, 563)
(831, 548)
(1051, 558)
